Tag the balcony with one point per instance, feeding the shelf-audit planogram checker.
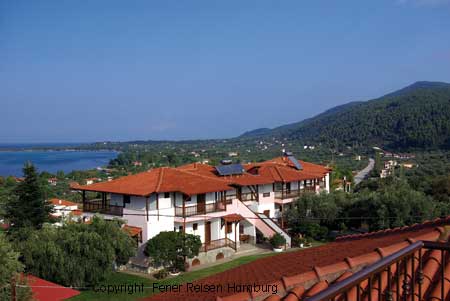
(97, 206)
(217, 244)
(417, 272)
(290, 194)
(248, 197)
(199, 209)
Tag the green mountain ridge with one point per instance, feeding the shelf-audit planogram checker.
(417, 116)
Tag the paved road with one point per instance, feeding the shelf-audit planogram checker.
(362, 174)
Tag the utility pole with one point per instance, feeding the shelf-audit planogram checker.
(13, 288)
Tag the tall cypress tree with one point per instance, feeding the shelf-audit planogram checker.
(28, 207)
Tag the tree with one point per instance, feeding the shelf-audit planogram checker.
(10, 267)
(77, 254)
(28, 208)
(169, 249)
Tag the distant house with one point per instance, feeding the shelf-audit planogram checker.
(137, 163)
(343, 185)
(53, 181)
(90, 181)
(18, 180)
(65, 210)
(232, 154)
(408, 165)
(195, 154)
(388, 168)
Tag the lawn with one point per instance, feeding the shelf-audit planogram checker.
(120, 278)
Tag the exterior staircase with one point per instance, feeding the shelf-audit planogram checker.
(264, 224)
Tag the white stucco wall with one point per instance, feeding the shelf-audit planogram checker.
(327, 182)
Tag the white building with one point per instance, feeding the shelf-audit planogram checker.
(225, 205)
(65, 210)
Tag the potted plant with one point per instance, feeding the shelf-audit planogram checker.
(304, 243)
(301, 242)
(277, 241)
(177, 267)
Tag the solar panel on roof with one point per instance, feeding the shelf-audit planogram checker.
(295, 162)
(231, 169)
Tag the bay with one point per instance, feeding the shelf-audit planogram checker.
(11, 162)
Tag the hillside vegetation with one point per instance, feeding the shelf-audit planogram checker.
(417, 116)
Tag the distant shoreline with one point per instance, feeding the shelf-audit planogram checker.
(56, 150)
(53, 160)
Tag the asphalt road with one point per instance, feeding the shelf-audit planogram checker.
(362, 174)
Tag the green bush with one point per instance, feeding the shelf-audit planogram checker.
(277, 240)
(169, 249)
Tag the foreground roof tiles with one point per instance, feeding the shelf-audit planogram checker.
(298, 274)
(44, 290)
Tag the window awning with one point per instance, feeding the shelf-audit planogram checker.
(231, 218)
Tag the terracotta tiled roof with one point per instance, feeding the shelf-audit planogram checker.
(77, 212)
(308, 271)
(44, 290)
(307, 166)
(58, 202)
(232, 217)
(163, 179)
(133, 231)
(198, 178)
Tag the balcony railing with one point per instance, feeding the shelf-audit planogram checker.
(218, 243)
(200, 209)
(248, 196)
(399, 276)
(97, 206)
(289, 194)
(229, 198)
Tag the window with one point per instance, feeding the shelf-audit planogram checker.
(126, 200)
(278, 186)
(166, 195)
(229, 227)
(195, 226)
(266, 194)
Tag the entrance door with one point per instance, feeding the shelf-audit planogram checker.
(201, 203)
(267, 213)
(207, 232)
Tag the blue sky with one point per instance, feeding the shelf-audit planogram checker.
(121, 70)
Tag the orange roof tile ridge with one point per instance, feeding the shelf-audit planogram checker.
(352, 262)
(425, 224)
(279, 173)
(160, 179)
(205, 176)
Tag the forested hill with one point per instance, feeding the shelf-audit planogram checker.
(417, 116)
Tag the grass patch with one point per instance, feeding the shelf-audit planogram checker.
(120, 278)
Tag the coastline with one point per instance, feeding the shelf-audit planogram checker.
(54, 159)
